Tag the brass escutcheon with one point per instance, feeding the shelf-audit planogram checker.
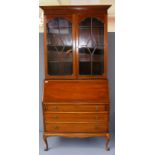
(96, 117)
(96, 127)
(96, 108)
(55, 108)
(55, 117)
(55, 127)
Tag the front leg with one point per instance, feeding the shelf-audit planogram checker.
(107, 148)
(46, 144)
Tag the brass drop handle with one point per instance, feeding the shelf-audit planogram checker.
(55, 117)
(96, 127)
(96, 108)
(45, 107)
(55, 108)
(96, 117)
(55, 127)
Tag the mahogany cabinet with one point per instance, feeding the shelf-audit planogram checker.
(75, 90)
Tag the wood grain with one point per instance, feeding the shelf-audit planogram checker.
(56, 10)
(76, 90)
(76, 117)
(77, 135)
(75, 127)
(75, 107)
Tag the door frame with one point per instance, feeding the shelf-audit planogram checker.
(71, 19)
(103, 18)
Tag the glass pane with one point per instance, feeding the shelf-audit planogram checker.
(91, 47)
(59, 45)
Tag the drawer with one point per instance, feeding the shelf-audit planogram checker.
(76, 127)
(76, 117)
(76, 108)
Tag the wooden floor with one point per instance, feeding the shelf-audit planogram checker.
(75, 146)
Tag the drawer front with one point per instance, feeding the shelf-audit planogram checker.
(75, 108)
(76, 127)
(76, 117)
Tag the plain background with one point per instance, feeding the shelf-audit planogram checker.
(134, 76)
(111, 77)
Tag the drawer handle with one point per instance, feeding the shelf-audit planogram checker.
(45, 107)
(55, 108)
(55, 127)
(96, 127)
(96, 108)
(55, 117)
(96, 117)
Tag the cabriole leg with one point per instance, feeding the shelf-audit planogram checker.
(107, 148)
(46, 144)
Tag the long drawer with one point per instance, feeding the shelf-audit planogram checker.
(76, 127)
(76, 117)
(76, 108)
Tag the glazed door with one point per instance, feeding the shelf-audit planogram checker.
(92, 48)
(59, 47)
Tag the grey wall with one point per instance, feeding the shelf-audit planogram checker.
(41, 78)
(111, 77)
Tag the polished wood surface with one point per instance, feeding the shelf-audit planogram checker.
(76, 90)
(76, 117)
(77, 135)
(62, 10)
(76, 127)
(75, 105)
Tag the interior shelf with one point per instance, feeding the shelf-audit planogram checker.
(67, 46)
(58, 61)
(94, 27)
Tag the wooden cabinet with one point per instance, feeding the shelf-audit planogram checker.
(75, 89)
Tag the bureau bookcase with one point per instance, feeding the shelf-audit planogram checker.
(75, 90)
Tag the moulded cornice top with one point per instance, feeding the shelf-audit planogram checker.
(77, 7)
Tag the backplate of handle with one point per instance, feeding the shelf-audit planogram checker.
(55, 108)
(56, 117)
(55, 127)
